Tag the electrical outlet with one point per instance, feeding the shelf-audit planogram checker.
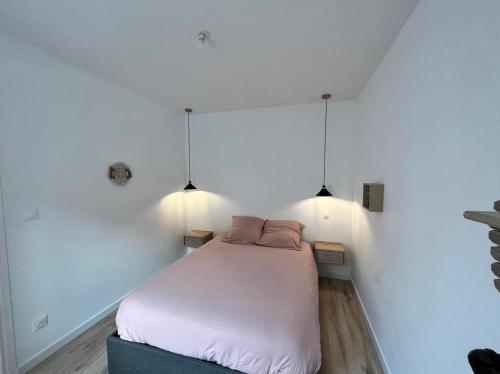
(40, 323)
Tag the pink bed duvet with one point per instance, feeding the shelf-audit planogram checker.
(249, 308)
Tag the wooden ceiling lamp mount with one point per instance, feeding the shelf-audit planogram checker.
(492, 219)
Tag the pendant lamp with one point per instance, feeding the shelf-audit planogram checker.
(190, 186)
(324, 191)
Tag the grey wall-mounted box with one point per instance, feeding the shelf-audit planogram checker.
(373, 197)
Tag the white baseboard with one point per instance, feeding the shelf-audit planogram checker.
(380, 354)
(58, 344)
(334, 276)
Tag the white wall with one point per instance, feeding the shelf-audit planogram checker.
(60, 129)
(430, 130)
(269, 162)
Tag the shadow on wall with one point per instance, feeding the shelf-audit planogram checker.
(361, 218)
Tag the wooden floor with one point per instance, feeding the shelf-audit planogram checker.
(345, 343)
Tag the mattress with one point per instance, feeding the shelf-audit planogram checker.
(249, 308)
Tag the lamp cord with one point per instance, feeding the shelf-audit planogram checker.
(324, 144)
(189, 151)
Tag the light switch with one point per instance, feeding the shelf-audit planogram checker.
(31, 214)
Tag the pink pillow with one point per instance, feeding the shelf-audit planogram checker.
(244, 230)
(281, 234)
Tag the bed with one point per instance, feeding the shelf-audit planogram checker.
(224, 308)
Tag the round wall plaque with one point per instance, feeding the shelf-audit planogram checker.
(119, 173)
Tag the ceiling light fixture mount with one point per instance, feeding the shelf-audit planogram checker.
(324, 191)
(203, 37)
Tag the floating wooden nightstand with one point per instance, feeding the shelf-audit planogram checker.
(196, 238)
(329, 253)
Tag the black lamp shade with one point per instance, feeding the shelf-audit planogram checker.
(189, 187)
(324, 192)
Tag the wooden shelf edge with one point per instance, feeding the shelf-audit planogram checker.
(491, 219)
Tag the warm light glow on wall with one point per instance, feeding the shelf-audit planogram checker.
(326, 218)
(183, 211)
(320, 206)
(203, 209)
(323, 216)
(171, 210)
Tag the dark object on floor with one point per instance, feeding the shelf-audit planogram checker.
(133, 358)
(484, 361)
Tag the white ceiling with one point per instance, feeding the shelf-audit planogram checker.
(264, 52)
